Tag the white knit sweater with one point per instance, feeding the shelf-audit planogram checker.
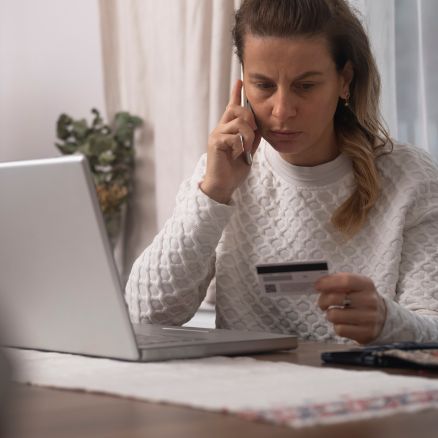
(282, 213)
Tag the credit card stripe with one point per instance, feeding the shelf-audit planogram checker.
(292, 268)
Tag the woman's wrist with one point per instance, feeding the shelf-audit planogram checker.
(217, 194)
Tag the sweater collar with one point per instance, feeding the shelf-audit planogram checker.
(320, 175)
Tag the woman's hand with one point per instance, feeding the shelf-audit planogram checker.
(353, 305)
(235, 134)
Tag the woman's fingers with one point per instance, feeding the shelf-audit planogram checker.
(239, 127)
(363, 319)
(351, 316)
(235, 109)
(234, 104)
(360, 334)
(326, 300)
(235, 97)
(343, 282)
(238, 112)
(335, 288)
(229, 147)
(357, 299)
(229, 143)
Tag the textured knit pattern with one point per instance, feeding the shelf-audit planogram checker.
(282, 213)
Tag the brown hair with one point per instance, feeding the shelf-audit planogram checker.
(358, 126)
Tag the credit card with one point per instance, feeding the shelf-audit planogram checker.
(291, 278)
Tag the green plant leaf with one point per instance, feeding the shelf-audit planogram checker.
(106, 157)
(63, 126)
(84, 148)
(124, 136)
(124, 119)
(101, 143)
(80, 129)
(136, 121)
(67, 148)
(109, 151)
(97, 121)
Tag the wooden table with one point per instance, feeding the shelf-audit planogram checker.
(42, 412)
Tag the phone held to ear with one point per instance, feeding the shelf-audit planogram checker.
(245, 104)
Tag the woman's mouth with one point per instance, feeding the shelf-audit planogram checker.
(284, 135)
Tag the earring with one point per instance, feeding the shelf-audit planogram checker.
(347, 100)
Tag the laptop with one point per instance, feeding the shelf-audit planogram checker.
(59, 286)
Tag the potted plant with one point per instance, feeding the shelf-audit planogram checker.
(110, 154)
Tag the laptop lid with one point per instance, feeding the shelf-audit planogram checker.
(59, 287)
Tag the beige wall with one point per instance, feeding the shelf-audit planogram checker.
(50, 62)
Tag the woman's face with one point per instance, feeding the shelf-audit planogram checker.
(293, 87)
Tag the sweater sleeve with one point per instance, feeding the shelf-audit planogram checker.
(413, 315)
(169, 280)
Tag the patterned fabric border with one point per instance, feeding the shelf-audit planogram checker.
(345, 410)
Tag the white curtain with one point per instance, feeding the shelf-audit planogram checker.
(417, 79)
(404, 35)
(171, 63)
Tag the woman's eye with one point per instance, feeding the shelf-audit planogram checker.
(264, 85)
(306, 86)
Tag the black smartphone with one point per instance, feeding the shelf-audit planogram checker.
(398, 355)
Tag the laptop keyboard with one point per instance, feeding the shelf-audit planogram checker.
(147, 340)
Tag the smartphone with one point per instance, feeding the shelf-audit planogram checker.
(245, 104)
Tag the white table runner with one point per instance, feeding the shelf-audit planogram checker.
(277, 392)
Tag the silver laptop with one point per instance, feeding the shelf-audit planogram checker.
(59, 287)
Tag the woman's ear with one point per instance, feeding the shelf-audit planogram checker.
(347, 75)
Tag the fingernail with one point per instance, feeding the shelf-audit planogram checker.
(248, 158)
(241, 142)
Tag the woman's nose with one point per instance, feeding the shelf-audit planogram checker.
(284, 106)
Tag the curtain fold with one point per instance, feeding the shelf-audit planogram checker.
(417, 81)
(403, 34)
(171, 63)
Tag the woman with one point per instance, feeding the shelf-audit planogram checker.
(326, 183)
